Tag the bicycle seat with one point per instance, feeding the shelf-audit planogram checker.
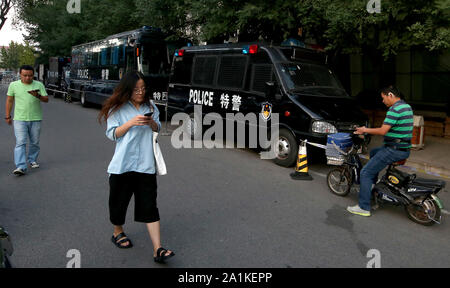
(400, 162)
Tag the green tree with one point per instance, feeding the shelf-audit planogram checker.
(49, 24)
(17, 55)
(27, 55)
(341, 26)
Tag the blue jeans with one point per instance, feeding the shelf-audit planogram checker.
(25, 130)
(380, 158)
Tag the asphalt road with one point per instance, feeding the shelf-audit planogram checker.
(219, 208)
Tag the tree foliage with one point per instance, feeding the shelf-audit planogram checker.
(341, 26)
(49, 24)
(17, 55)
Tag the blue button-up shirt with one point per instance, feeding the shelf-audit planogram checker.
(134, 150)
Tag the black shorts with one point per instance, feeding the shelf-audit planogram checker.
(122, 187)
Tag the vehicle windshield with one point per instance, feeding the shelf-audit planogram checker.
(303, 76)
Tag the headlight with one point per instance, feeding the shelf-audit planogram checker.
(323, 127)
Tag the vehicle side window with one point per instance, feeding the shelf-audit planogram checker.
(121, 54)
(115, 55)
(106, 56)
(182, 70)
(204, 70)
(261, 73)
(232, 71)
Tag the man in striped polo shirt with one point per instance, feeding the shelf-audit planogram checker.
(397, 130)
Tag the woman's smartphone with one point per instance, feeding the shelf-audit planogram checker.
(149, 114)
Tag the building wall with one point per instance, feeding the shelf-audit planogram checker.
(423, 78)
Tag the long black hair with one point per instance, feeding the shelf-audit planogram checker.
(121, 95)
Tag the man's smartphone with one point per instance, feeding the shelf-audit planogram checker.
(34, 93)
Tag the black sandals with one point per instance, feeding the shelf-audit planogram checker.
(119, 243)
(161, 256)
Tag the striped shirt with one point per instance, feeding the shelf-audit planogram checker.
(400, 118)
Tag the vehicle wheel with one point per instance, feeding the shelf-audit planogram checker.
(417, 211)
(56, 93)
(339, 181)
(83, 101)
(287, 149)
(7, 263)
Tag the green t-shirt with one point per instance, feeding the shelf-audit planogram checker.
(26, 106)
(401, 119)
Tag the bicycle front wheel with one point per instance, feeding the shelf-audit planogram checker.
(339, 181)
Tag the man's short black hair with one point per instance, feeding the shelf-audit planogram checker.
(392, 89)
(26, 67)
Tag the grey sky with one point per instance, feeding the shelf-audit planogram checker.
(8, 34)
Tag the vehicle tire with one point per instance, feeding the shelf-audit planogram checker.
(417, 213)
(339, 181)
(56, 93)
(83, 99)
(7, 263)
(287, 149)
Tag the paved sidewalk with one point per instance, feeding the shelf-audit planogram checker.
(433, 159)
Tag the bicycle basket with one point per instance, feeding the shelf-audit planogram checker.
(337, 145)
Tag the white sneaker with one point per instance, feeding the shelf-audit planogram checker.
(19, 172)
(358, 211)
(34, 165)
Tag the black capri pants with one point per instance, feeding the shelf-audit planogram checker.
(122, 187)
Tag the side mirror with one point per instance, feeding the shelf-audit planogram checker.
(270, 91)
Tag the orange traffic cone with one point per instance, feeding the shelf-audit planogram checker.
(301, 169)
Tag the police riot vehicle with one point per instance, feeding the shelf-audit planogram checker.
(261, 78)
(98, 66)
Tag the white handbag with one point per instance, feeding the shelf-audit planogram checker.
(159, 160)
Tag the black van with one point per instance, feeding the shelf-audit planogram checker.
(308, 97)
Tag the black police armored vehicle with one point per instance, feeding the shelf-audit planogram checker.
(98, 66)
(306, 94)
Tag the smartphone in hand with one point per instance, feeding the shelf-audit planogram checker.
(34, 92)
(148, 114)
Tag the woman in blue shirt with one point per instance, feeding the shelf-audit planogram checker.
(132, 168)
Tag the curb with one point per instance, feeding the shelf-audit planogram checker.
(428, 169)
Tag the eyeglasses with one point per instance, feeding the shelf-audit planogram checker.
(139, 90)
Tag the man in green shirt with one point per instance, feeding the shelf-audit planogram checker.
(26, 96)
(397, 130)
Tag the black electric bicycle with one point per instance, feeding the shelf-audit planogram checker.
(416, 195)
